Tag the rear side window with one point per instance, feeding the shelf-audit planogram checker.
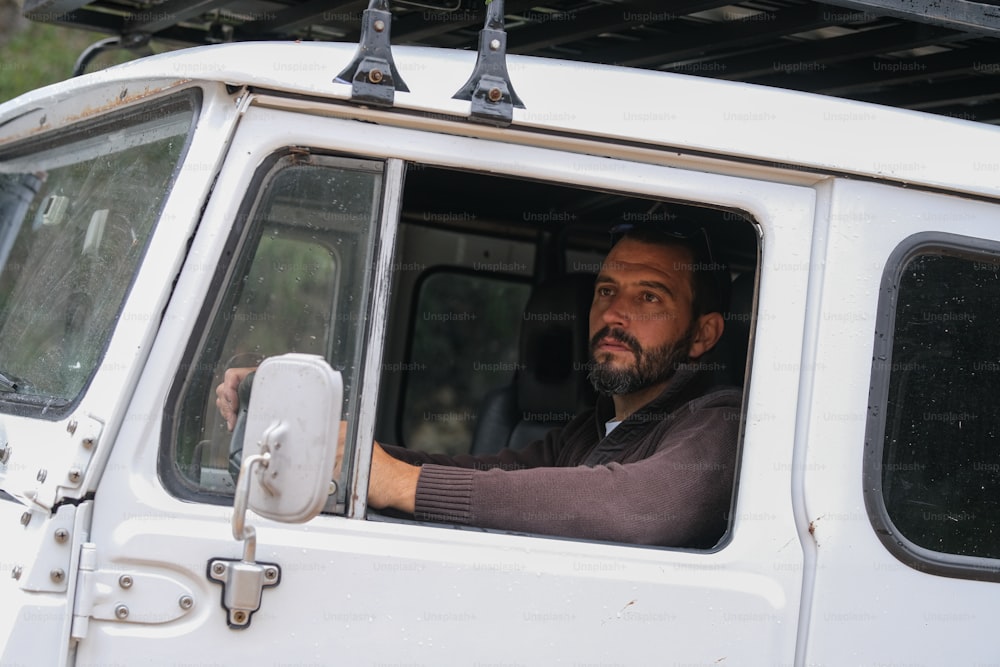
(933, 463)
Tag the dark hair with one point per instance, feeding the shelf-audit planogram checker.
(710, 279)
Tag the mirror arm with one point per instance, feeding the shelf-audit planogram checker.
(241, 531)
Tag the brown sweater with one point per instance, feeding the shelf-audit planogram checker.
(664, 476)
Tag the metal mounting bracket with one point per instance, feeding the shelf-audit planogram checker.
(242, 586)
(243, 581)
(489, 88)
(372, 73)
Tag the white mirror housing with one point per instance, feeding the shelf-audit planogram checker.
(294, 418)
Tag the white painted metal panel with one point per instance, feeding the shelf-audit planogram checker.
(372, 592)
(868, 607)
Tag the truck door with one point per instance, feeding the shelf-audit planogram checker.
(296, 253)
(902, 460)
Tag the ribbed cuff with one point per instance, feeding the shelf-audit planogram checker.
(444, 494)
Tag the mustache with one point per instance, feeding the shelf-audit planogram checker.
(618, 335)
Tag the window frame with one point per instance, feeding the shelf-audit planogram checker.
(740, 215)
(899, 545)
(237, 258)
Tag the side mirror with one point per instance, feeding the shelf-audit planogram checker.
(292, 426)
(289, 448)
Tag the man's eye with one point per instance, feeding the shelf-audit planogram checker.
(603, 291)
(649, 297)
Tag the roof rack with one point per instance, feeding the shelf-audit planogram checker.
(939, 57)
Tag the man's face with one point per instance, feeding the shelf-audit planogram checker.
(641, 326)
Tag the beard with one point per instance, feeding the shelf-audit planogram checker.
(651, 367)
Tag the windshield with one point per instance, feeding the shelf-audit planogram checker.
(75, 217)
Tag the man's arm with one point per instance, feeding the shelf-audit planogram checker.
(396, 471)
(679, 496)
(392, 483)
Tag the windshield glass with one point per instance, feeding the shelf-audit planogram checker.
(75, 217)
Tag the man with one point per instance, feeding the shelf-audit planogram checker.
(652, 463)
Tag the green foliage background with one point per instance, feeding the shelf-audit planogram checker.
(40, 54)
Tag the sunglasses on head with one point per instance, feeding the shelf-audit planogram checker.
(690, 233)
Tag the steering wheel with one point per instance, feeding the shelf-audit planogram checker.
(236, 444)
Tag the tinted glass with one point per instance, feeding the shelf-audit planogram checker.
(940, 467)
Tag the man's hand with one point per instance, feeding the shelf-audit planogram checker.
(226, 397)
(393, 483)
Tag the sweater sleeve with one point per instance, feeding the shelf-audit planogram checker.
(678, 496)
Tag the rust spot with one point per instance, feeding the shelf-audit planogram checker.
(121, 100)
(812, 527)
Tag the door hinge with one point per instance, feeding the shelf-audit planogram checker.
(125, 597)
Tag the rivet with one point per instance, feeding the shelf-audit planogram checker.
(495, 95)
(218, 568)
(16, 572)
(25, 518)
(74, 475)
(186, 602)
(42, 474)
(121, 611)
(71, 426)
(494, 44)
(57, 575)
(375, 76)
(270, 573)
(61, 535)
(379, 25)
(87, 443)
(239, 617)
(125, 581)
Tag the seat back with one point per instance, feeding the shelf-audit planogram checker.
(728, 359)
(550, 385)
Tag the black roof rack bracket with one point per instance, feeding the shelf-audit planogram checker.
(132, 41)
(489, 88)
(372, 73)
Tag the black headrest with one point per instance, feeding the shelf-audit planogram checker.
(552, 380)
(729, 356)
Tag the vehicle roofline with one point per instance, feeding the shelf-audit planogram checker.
(673, 111)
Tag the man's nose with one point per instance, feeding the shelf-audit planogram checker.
(616, 312)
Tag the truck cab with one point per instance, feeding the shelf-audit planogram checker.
(428, 260)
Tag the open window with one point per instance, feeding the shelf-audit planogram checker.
(488, 342)
(486, 335)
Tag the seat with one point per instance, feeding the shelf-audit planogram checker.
(728, 359)
(550, 384)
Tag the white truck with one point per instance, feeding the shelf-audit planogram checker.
(341, 214)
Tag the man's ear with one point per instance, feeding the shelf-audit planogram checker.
(707, 333)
